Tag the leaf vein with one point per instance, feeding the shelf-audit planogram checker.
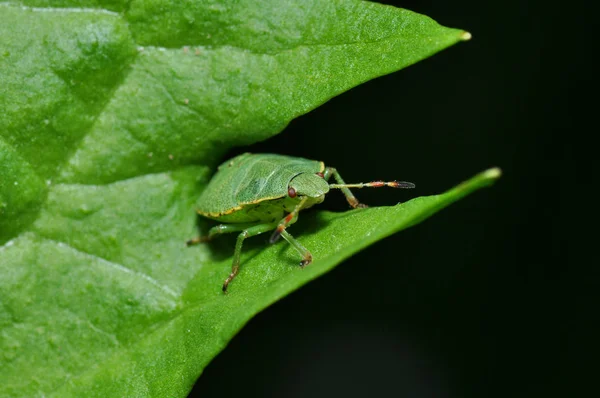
(279, 50)
(118, 267)
(62, 9)
(111, 336)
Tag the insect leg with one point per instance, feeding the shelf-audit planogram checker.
(306, 256)
(218, 230)
(354, 203)
(289, 219)
(248, 232)
(330, 171)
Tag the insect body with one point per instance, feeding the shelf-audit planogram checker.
(256, 193)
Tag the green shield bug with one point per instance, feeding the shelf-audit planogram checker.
(256, 193)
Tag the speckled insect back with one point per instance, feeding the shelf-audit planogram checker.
(252, 193)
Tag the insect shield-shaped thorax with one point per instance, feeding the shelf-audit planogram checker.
(251, 188)
(256, 193)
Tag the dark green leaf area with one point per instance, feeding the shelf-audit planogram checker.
(22, 192)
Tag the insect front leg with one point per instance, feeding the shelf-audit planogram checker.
(219, 230)
(287, 220)
(306, 255)
(254, 230)
(330, 171)
(352, 201)
(281, 231)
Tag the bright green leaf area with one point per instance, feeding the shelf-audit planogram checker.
(113, 117)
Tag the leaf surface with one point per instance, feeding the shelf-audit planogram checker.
(114, 114)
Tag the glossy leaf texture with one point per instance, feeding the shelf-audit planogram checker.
(114, 115)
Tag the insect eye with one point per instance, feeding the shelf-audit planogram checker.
(320, 174)
(291, 192)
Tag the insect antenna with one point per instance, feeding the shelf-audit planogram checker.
(375, 184)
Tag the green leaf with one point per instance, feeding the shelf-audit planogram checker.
(113, 116)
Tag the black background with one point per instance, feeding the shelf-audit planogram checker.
(483, 299)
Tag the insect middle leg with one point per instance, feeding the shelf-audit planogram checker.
(254, 230)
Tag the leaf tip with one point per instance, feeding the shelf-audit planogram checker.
(492, 174)
(483, 179)
(465, 36)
